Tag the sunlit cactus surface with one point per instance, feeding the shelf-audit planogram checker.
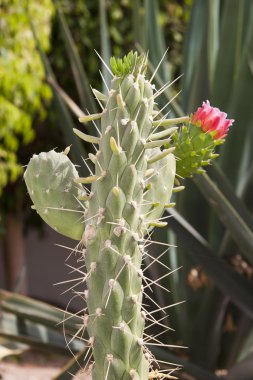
(140, 158)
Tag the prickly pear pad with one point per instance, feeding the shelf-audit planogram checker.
(50, 182)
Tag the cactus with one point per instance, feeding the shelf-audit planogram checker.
(131, 186)
(195, 149)
(50, 182)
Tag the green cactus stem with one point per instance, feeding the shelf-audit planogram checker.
(132, 183)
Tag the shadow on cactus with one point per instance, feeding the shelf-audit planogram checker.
(139, 162)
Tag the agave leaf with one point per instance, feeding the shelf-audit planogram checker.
(224, 242)
(236, 155)
(237, 152)
(67, 124)
(154, 38)
(213, 37)
(137, 22)
(229, 58)
(239, 230)
(193, 62)
(210, 45)
(231, 283)
(247, 190)
(80, 76)
(200, 53)
(19, 333)
(33, 342)
(208, 326)
(195, 371)
(71, 367)
(37, 312)
(105, 44)
(227, 190)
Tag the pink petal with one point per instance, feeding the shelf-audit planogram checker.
(212, 119)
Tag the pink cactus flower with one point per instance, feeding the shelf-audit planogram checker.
(212, 119)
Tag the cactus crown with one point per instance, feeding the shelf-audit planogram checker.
(132, 63)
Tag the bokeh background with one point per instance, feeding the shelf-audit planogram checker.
(47, 64)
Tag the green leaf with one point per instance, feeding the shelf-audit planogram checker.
(193, 63)
(37, 312)
(105, 44)
(72, 366)
(67, 124)
(213, 37)
(154, 38)
(208, 327)
(79, 74)
(239, 230)
(226, 188)
(33, 342)
(248, 189)
(236, 158)
(195, 371)
(228, 58)
(231, 284)
(137, 22)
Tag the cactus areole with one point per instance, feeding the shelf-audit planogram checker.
(133, 179)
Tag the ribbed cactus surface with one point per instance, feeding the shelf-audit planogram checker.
(123, 199)
(132, 183)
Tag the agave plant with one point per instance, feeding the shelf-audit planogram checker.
(223, 75)
(28, 323)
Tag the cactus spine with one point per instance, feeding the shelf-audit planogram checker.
(131, 185)
(125, 172)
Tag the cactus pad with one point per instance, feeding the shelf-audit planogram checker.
(50, 182)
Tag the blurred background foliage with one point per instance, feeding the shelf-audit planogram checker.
(210, 42)
(84, 19)
(23, 91)
(25, 97)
